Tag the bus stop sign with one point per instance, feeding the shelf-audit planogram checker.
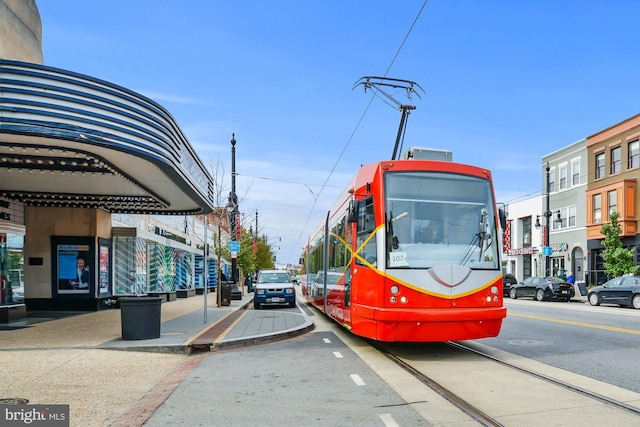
(233, 246)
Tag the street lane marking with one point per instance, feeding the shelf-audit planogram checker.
(586, 325)
(326, 340)
(337, 354)
(388, 420)
(356, 379)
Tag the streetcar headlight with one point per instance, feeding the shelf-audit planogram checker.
(403, 299)
(394, 289)
(494, 290)
(488, 298)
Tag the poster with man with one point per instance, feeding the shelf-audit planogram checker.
(74, 273)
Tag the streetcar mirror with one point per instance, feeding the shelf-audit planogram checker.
(503, 218)
(352, 213)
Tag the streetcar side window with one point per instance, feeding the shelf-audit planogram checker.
(366, 218)
(366, 242)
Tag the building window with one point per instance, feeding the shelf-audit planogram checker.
(599, 165)
(571, 215)
(565, 218)
(575, 172)
(597, 208)
(616, 160)
(562, 171)
(612, 197)
(526, 266)
(634, 154)
(526, 232)
(556, 225)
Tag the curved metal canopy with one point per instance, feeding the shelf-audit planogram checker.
(69, 140)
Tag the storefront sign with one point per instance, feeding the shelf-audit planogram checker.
(523, 251)
(558, 247)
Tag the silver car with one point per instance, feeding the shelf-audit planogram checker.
(17, 294)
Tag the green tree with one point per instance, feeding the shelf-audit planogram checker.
(246, 260)
(264, 256)
(617, 259)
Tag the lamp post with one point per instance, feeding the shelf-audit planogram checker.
(547, 214)
(233, 205)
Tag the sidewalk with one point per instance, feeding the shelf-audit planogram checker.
(182, 330)
(71, 360)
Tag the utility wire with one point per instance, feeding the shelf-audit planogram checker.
(360, 121)
(266, 178)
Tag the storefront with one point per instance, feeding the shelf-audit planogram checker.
(12, 232)
(148, 263)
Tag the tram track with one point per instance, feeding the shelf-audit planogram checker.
(580, 390)
(466, 407)
(483, 397)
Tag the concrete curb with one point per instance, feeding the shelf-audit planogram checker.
(265, 338)
(222, 343)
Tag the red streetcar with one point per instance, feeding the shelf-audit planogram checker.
(410, 252)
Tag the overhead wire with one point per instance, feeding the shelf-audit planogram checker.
(366, 109)
(266, 178)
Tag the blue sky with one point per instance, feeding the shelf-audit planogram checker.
(506, 82)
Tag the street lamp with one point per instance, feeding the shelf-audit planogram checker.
(547, 214)
(233, 207)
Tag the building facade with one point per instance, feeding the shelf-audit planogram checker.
(554, 220)
(614, 168)
(75, 151)
(566, 210)
(523, 245)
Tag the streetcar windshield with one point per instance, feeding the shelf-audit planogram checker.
(436, 218)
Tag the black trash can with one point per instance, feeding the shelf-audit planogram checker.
(140, 317)
(225, 293)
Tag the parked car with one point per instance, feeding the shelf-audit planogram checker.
(317, 288)
(17, 294)
(624, 291)
(274, 287)
(306, 281)
(542, 288)
(236, 293)
(507, 281)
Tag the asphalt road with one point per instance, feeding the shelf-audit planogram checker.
(313, 380)
(317, 379)
(598, 342)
